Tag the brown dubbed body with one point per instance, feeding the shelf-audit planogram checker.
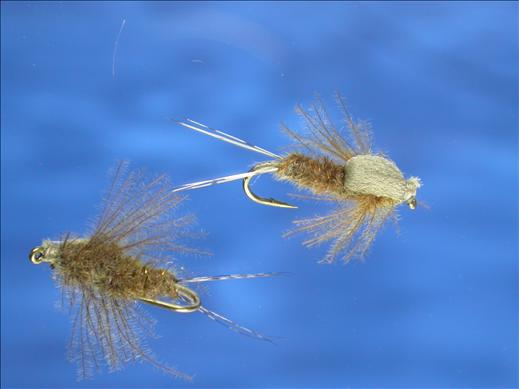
(105, 265)
(321, 175)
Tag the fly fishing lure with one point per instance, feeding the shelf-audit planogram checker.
(367, 187)
(126, 260)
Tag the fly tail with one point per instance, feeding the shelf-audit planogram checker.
(235, 326)
(223, 180)
(199, 127)
(223, 320)
(230, 277)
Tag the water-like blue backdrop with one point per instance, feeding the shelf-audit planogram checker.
(433, 305)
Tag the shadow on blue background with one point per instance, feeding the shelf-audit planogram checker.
(432, 306)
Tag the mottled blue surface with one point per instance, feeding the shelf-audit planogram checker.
(433, 306)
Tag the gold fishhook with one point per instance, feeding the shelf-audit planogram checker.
(182, 291)
(261, 200)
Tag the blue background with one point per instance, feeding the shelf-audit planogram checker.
(433, 306)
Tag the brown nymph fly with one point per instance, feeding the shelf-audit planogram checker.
(342, 168)
(123, 261)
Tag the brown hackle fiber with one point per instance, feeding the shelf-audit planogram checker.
(321, 167)
(123, 258)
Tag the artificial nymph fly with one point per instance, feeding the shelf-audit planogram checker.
(342, 168)
(125, 260)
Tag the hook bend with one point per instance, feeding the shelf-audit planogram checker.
(183, 292)
(262, 169)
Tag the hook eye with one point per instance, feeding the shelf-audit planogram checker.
(36, 255)
(412, 203)
(185, 293)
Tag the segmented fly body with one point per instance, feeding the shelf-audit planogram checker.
(334, 166)
(125, 260)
